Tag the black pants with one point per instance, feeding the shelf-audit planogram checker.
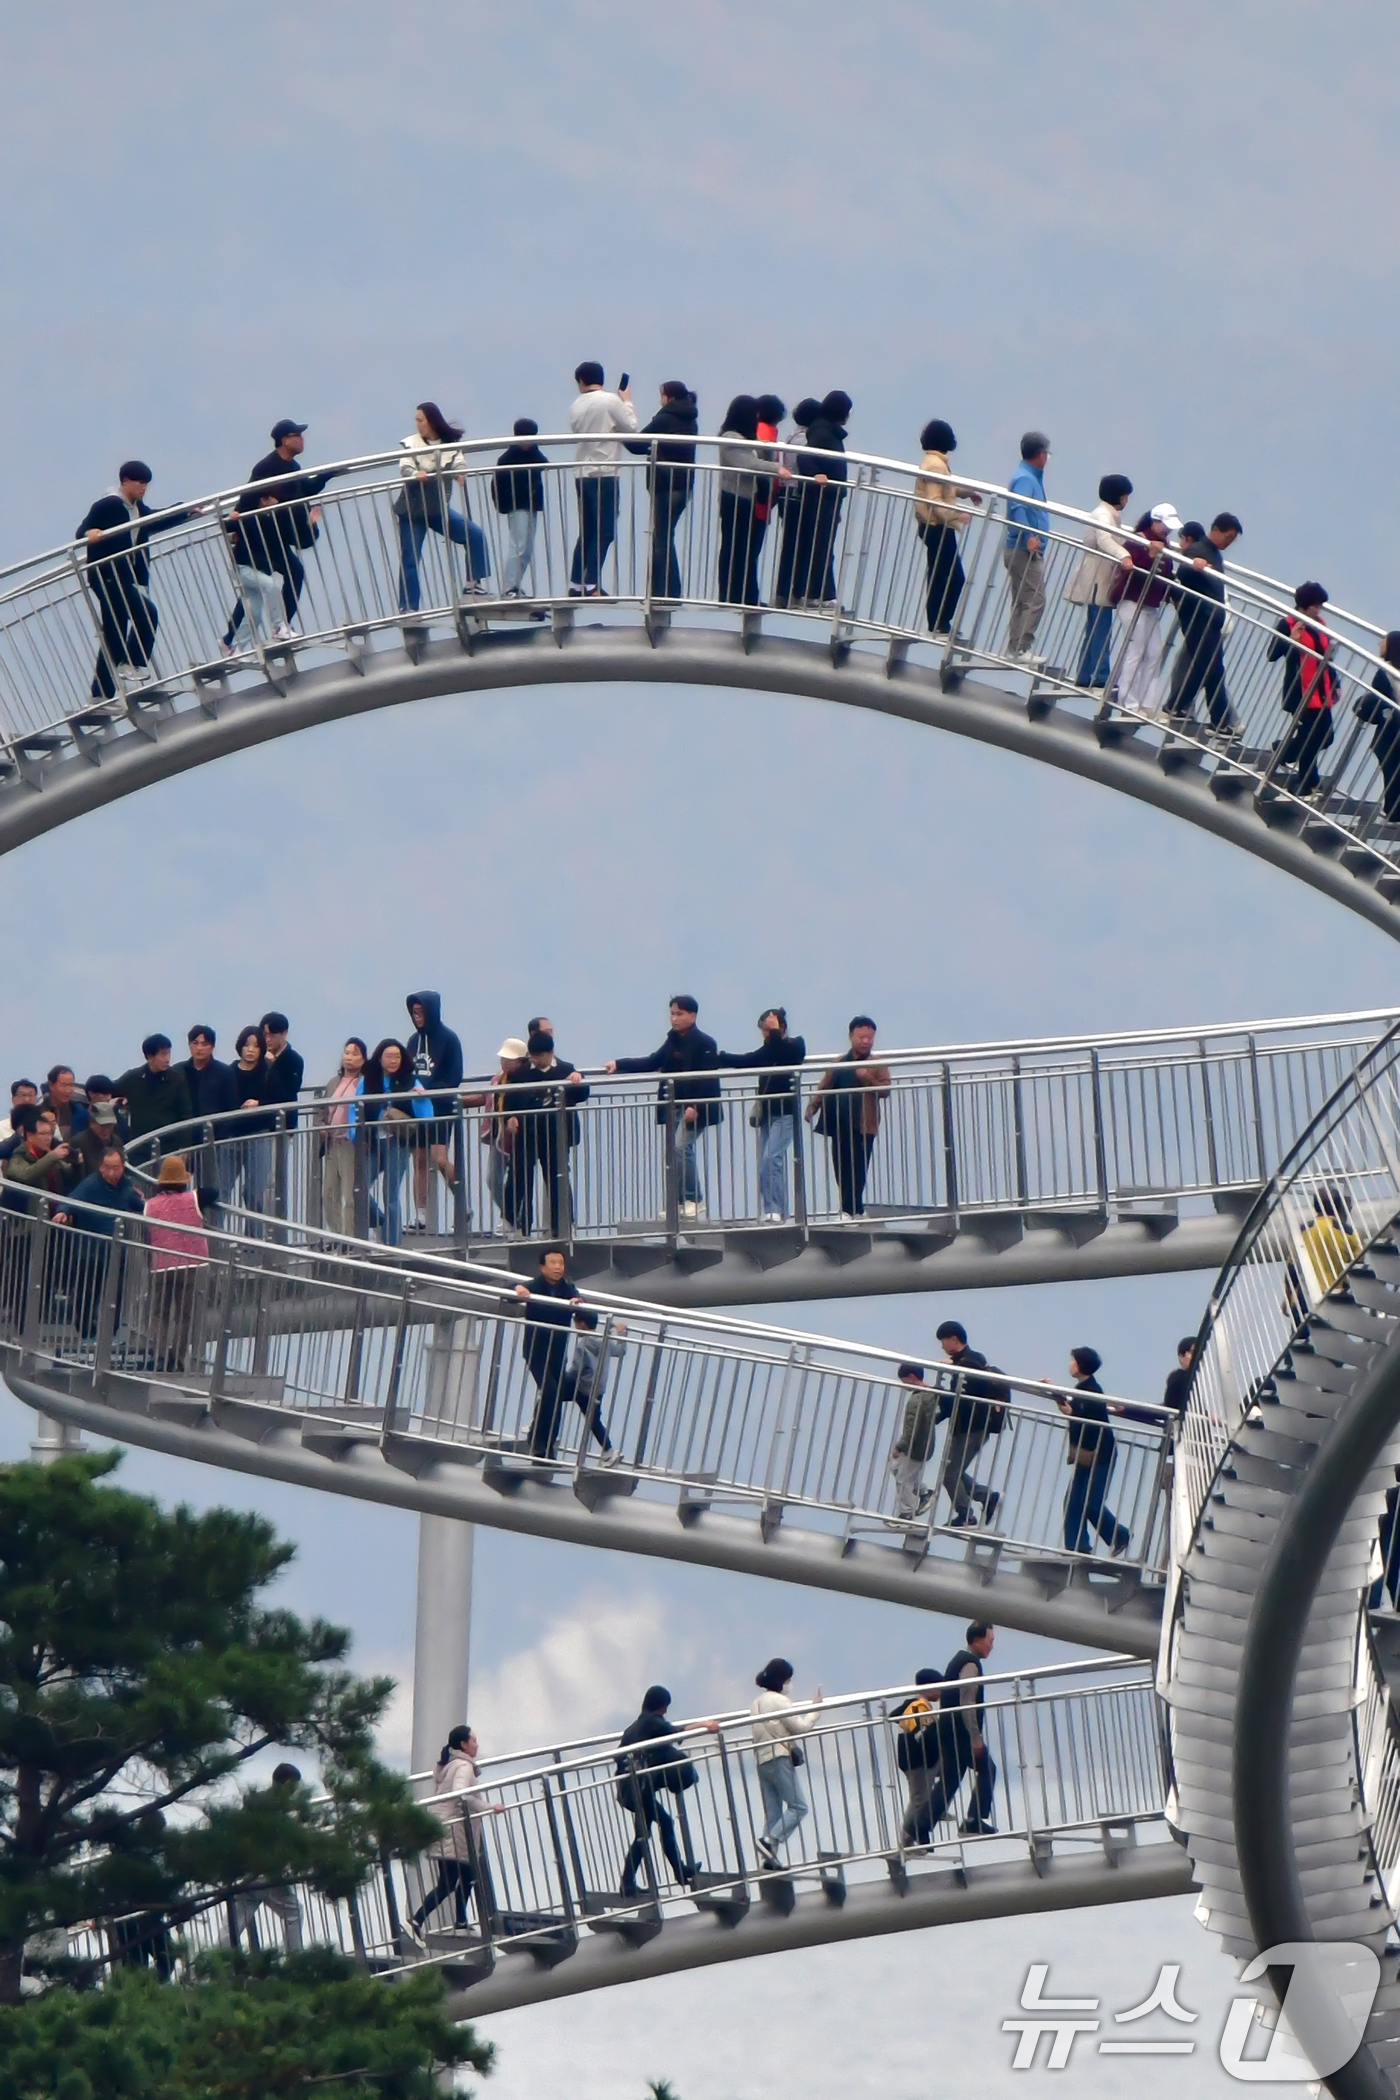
(946, 576)
(649, 1810)
(806, 563)
(958, 1459)
(740, 537)
(129, 623)
(1387, 751)
(549, 1377)
(1304, 745)
(1201, 662)
(956, 1762)
(293, 571)
(454, 1879)
(850, 1155)
(582, 1397)
(667, 505)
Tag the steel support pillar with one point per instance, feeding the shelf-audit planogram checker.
(442, 1639)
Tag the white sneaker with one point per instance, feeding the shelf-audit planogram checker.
(611, 1457)
(283, 633)
(689, 1210)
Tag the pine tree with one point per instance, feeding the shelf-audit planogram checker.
(139, 1674)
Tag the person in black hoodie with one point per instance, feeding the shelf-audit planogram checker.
(436, 1055)
(517, 490)
(773, 1115)
(669, 477)
(118, 529)
(1091, 1452)
(212, 1093)
(650, 1763)
(812, 510)
(688, 1061)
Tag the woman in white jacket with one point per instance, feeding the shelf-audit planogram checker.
(454, 1776)
(432, 461)
(776, 1726)
(1092, 584)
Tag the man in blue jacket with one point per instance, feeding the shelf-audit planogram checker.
(435, 1053)
(688, 1062)
(1027, 529)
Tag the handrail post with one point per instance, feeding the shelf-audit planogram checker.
(39, 1229)
(111, 1293)
(950, 1138)
(461, 1209)
(1257, 1104)
(279, 1178)
(1212, 1155)
(673, 1209)
(1100, 1146)
(649, 1398)
(1019, 1128)
(799, 1157)
(391, 1397)
(359, 1222)
(563, 1224)
(220, 1371)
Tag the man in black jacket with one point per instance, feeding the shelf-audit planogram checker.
(283, 1072)
(118, 529)
(688, 1061)
(435, 1053)
(517, 489)
(295, 524)
(546, 1345)
(978, 1410)
(1200, 576)
(547, 1093)
(155, 1096)
(962, 1743)
(651, 1761)
(212, 1093)
(669, 478)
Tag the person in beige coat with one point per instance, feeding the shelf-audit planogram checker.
(454, 1776)
(846, 1110)
(1096, 580)
(940, 513)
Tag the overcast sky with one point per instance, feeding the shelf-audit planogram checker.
(1164, 235)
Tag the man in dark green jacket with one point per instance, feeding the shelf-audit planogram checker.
(155, 1096)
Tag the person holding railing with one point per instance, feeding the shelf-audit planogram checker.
(586, 1379)
(648, 1764)
(773, 1115)
(546, 1345)
(118, 529)
(454, 1804)
(1100, 570)
(1202, 613)
(340, 1119)
(1091, 1453)
(940, 514)
(1027, 534)
(545, 1091)
(975, 1408)
(670, 476)
(688, 1061)
(846, 1110)
(595, 417)
(255, 544)
(432, 460)
(97, 1201)
(1381, 709)
(295, 525)
(389, 1089)
(1309, 687)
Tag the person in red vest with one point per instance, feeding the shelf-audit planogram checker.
(1309, 686)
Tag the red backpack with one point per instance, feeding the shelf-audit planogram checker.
(1317, 682)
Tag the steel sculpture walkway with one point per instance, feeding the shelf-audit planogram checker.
(867, 644)
(1078, 1752)
(751, 1448)
(997, 1163)
(1306, 1311)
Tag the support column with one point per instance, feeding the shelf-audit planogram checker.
(442, 1639)
(53, 1440)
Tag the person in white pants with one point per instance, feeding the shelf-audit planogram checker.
(1140, 639)
(518, 492)
(261, 583)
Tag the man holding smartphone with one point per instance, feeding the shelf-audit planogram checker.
(594, 417)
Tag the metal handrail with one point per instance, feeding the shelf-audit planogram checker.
(49, 618)
(706, 1411)
(545, 1843)
(1131, 1125)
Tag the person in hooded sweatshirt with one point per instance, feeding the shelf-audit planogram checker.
(435, 1053)
(807, 576)
(670, 477)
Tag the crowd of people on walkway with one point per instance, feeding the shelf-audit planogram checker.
(937, 1734)
(1129, 573)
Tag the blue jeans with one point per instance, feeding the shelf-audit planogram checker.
(1086, 1511)
(1098, 645)
(776, 1143)
(597, 528)
(392, 1164)
(784, 1803)
(462, 532)
(688, 1188)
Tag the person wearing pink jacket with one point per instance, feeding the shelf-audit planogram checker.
(177, 1255)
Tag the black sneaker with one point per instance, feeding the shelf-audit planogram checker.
(767, 1857)
(991, 1505)
(975, 1828)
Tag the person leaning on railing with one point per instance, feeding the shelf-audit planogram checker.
(774, 1110)
(1143, 588)
(432, 461)
(777, 1724)
(688, 1061)
(1202, 613)
(118, 529)
(176, 1259)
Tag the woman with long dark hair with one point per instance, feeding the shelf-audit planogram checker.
(389, 1109)
(251, 1151)
(340, 1120)
(776, 1726)
(738, 492)
(432, 460)
(1091, 1453)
